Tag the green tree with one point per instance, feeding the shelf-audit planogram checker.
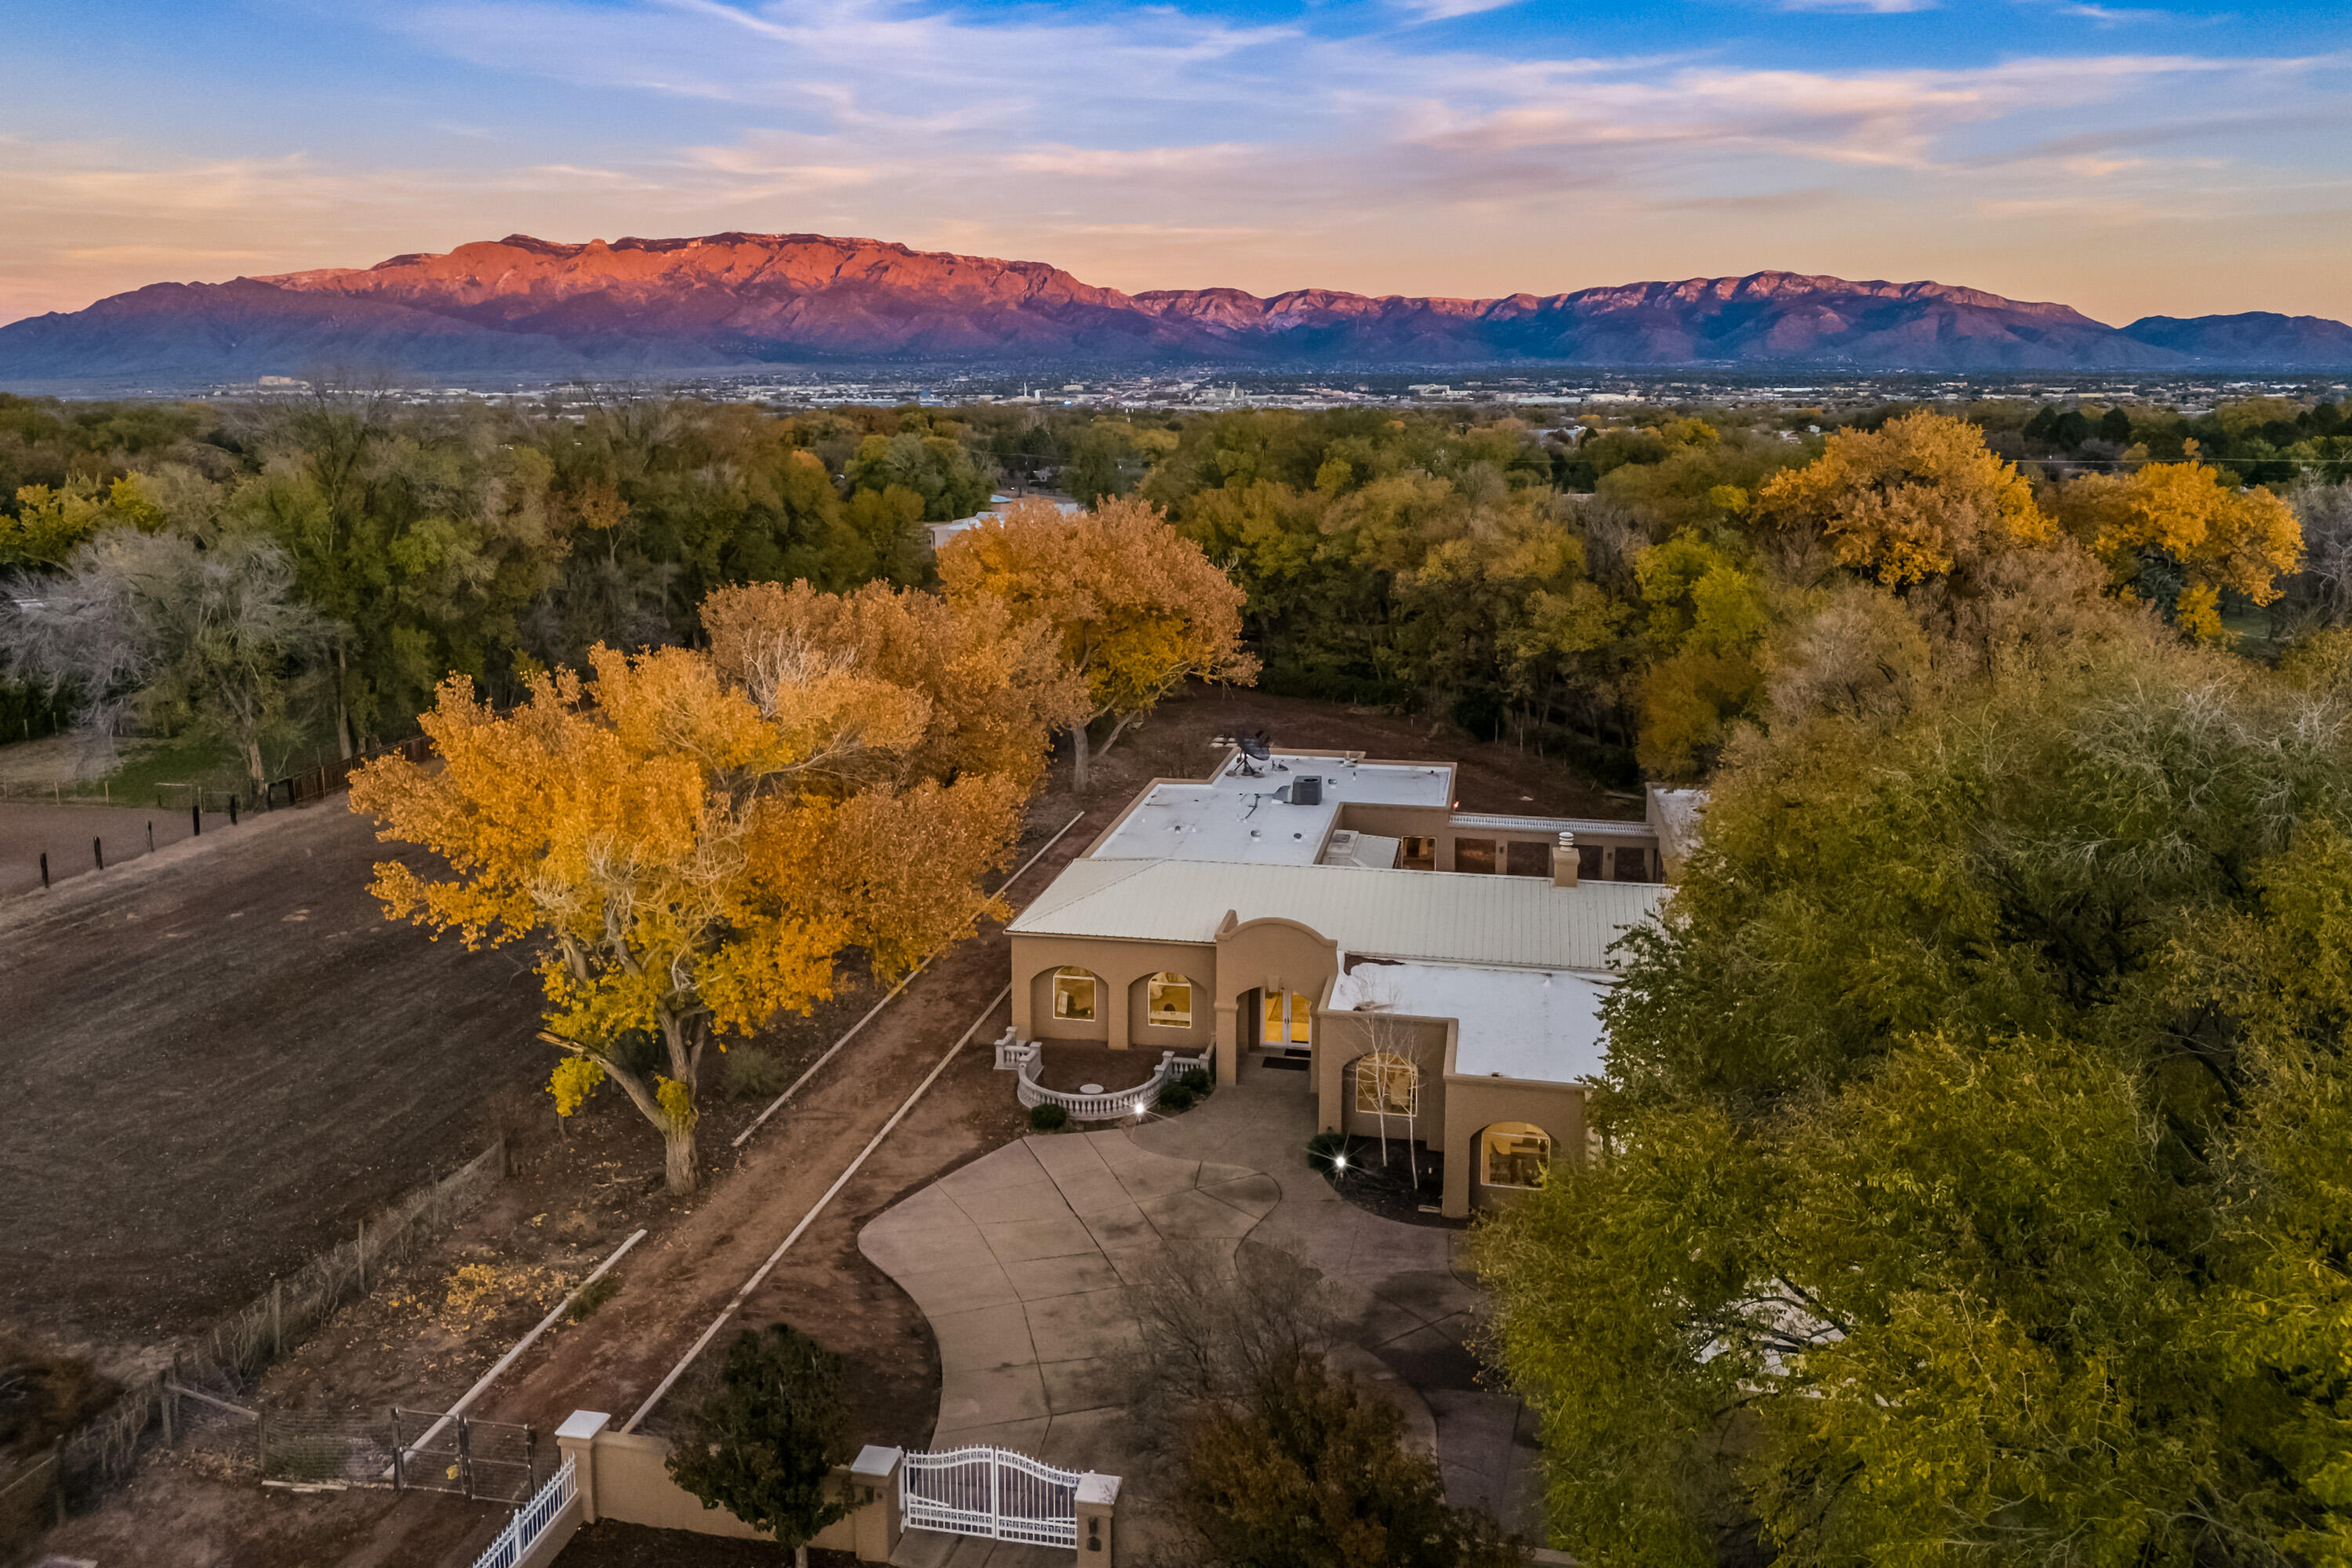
(1976, 1137)
(939, 469)
(763, 1437)
(1307, 1471)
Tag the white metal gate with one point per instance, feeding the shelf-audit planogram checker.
(994, 1493)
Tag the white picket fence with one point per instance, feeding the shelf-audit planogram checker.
(532, 1520)
(992, 1493)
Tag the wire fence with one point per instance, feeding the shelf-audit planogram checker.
(103, 1450)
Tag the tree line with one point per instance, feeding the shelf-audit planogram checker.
(1538, 583)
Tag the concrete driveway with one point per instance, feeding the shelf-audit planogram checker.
(1022, 1261)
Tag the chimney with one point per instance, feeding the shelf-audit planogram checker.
(1563, 861)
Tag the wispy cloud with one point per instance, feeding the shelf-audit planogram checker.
(1447, 10)
(1862, 7)
(1155, 147)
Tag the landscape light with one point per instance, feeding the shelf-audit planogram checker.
(1338, 1161)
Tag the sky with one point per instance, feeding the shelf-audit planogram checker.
(2128, 159)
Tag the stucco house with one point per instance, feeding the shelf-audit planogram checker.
(1436, 973)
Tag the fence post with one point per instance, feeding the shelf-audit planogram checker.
(45, 872)
(169, 1402)
(464, 1459)
(196, 816)
(399, 1454)
(277, 1320)
(98, 853)
(232, 811)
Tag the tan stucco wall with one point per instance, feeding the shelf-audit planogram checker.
(1475, 1104)
(632, 1484)
(1342, 1038)
(1120, 966)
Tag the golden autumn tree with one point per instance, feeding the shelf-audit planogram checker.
(2178, 521)
(998, 690)
(1135, 607)
(691, 853)
(1919, 497)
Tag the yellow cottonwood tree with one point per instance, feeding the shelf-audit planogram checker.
(1914, 499)
(689, 853)
(2218, 536)
(1135, 606)
(998, 690)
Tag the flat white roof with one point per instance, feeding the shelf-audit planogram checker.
(1516, 1023)
(1235, 818)
(1444, 916)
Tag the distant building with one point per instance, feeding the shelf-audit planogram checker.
(941, 533)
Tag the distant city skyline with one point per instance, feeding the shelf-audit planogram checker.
(2126, 160)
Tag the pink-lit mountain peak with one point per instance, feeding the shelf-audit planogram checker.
(525, 305)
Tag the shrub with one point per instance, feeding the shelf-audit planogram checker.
(1305, 1470)
(754, 1073)
(1047, 1119)
(1175, 1098)
(1198, 1080)
(761, 1439)
(583, 1307)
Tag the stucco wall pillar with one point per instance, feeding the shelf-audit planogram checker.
(874, 1502)
(1229, 1043)
(1461, 1148)
(576, 1440)
(1097, 1510)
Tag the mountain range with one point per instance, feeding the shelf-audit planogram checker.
(527, 307)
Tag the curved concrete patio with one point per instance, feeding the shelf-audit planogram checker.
(1022, 1258)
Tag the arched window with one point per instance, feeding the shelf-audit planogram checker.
(1514, 1154)
(1387, 1085)
(1168, 1001)
(1073, 994)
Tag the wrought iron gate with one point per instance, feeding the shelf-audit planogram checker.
(994, 1493)
(497, 1462)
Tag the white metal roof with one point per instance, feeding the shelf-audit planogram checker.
(1235, 817)
(1512, 1023)
(1520, 922)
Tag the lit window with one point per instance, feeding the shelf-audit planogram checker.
(1288, 1022)
(1169, 1002)
(1073, 994)
(1516, 1156)
(1385, 1085)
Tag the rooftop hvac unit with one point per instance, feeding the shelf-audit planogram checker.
(1307, 790)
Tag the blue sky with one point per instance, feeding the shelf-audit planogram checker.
(2128, 159)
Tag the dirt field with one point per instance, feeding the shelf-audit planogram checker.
(215, 1192)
